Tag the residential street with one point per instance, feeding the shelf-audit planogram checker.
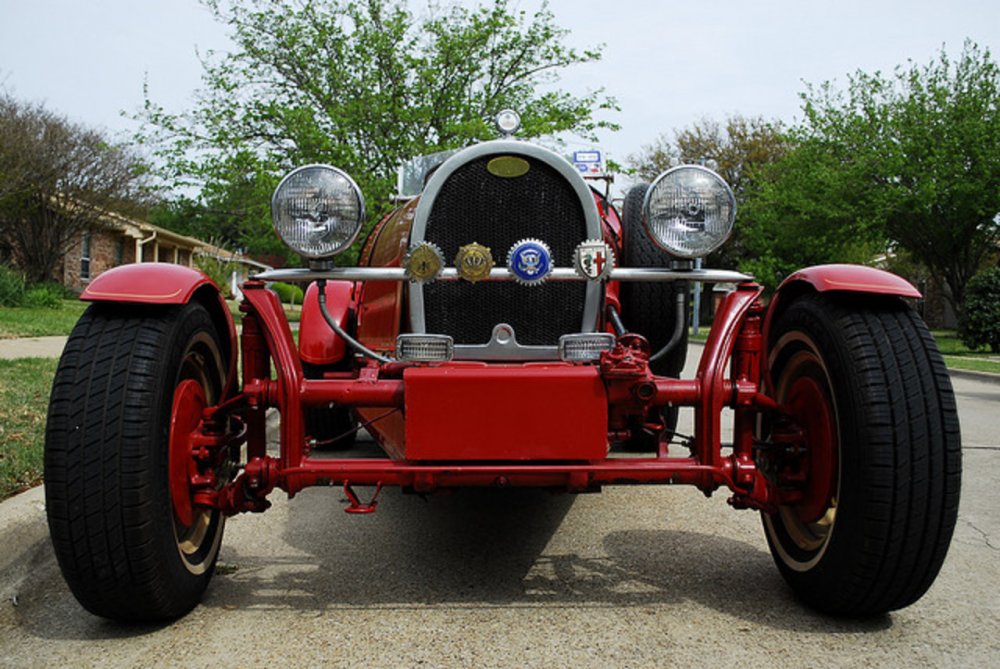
(632, 577)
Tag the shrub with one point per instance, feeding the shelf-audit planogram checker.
(979, 323)
(45, 295)
(218, 270)
(288, 293)
(11, 287)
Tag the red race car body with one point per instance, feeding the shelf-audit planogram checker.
(506, 327)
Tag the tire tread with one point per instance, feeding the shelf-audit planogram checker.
(100, 459)
(894, 524)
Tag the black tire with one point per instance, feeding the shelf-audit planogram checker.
(333, 428)
(867, 385)
(116, 534)
(649, 307)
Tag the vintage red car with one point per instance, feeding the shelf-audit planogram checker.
(504, 328)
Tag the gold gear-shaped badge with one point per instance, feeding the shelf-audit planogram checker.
(424, 262)
(473, 262)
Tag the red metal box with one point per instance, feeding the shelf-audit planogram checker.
(516, 412)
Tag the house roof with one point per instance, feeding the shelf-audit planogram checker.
(144, 230)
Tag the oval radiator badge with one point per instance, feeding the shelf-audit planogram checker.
(508, 167)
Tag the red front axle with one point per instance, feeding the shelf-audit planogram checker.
(729, 376)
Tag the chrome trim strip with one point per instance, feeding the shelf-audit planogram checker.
(592, 300)
(503, 346)
(416, 291)
(501, 274)
(519, 353)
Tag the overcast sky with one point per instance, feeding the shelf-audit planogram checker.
(668, 63)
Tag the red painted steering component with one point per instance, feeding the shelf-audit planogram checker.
(185, 420)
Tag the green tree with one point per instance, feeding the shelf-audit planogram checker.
(57, 179)
(912, 159)
(736, 149)
(363, 85)
(805, 210)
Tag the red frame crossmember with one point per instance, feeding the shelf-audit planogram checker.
(729, 375)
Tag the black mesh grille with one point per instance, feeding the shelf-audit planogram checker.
(476, 206)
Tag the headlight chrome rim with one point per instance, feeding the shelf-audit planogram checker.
(710, 240)
(327, 250)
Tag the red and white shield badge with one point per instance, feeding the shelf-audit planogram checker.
(593, 260)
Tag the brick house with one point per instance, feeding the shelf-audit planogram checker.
(118, 240)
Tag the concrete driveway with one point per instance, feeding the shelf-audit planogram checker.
(632, 577)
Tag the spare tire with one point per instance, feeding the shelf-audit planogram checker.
(649, 307)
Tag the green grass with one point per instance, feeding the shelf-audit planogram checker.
(24, 399)
(958, 356)
(18, 322)
(972, 364)
(702, 335)
(40, 321)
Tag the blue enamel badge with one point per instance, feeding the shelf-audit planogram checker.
(529, 261)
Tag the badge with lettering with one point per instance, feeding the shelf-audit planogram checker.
(529, 261)
(593, 260)
(423, 262)
(473, 262)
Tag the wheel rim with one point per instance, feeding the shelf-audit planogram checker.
(197, 530)
(801, 532)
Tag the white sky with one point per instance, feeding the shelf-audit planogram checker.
(668, 63)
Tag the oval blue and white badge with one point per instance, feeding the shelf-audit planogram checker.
(529, 261)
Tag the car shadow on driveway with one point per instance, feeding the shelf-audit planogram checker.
(499, 548)
(475, 550)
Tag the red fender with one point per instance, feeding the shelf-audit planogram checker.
(856, 279)
(839, 278)
(851, 279)
(165, 284)
(318, 345)
(147, 283)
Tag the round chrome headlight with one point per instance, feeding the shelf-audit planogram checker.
(317, 211)
(689, 211)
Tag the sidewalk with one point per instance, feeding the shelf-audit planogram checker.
(24, 538)
(32, 347)
(52, 347)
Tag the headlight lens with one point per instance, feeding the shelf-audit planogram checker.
(317, 211)
(689, 211)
